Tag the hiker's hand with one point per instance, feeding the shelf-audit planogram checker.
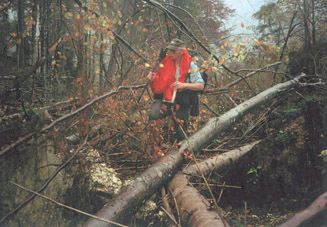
(150, 77)
(178, 85)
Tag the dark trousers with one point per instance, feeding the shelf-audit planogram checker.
(182, 113)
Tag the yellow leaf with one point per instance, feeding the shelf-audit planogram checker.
(98, 71)
(147, 65)
(221, 61)
(14, 34)
(222, 47)
(68, 15)
(272, 39)
(161, 66)
(87, 27)
(214, 69)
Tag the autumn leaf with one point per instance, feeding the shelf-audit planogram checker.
(68, 15)
(221, 61)
(214, 69)
(87, 27)
(52, 5)
(242, 25)
(147, 65)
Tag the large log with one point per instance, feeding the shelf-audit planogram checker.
(192, 205)
(142, 187)
(196, 211)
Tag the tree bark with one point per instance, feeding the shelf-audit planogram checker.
(131, 197)
(316, 208)
(219, 161)
(196, 211)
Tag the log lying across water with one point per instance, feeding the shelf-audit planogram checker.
(123, 206)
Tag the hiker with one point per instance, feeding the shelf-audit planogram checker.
(173, 84)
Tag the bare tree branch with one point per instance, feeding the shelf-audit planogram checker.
(67, 116)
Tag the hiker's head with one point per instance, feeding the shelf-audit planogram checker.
(176, 48)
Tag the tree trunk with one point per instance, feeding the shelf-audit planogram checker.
(219, 161)
(20, 30)
(195, 210)
(131, 197)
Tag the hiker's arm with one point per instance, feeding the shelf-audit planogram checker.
(197, 86)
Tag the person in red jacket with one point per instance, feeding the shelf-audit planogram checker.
(172, 78)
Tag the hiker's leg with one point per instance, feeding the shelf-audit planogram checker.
(154, 113)
(182, 115)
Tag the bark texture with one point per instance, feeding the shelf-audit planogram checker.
(303, 218)
(219, 161)
(139, 190)
(193, 207)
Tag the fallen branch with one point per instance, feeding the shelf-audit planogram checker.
(65, 206)
(150, 181)
(67, 116)
(319, 206)
(253, 72)
(219, 161)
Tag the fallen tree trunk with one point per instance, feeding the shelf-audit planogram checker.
(197, 210)
(192, 205)
(219, 161)
(141, 188)
(319, 206)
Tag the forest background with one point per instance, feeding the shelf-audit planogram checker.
(74, 100)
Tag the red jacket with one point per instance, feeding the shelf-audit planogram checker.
(165, 76)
